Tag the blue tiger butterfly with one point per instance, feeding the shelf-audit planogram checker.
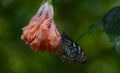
(71, 51)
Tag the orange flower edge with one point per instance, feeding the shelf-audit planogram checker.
(41, 33)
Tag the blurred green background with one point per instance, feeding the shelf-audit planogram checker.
(71, 16)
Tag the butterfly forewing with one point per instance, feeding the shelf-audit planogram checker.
(71, 51)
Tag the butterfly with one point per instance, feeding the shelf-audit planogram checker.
(71, 51)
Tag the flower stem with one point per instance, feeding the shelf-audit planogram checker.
(49, 1)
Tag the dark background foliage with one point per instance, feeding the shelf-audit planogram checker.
(71, 16)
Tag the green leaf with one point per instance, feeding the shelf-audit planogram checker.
(98, 24)
(111, 24)
(112, 27)
(93, 27)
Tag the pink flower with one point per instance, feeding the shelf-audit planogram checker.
(41, 33)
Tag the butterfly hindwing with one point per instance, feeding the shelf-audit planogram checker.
(71, 51)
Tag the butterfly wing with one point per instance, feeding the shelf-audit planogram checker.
(71, 51)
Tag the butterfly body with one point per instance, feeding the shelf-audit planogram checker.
(71, 51)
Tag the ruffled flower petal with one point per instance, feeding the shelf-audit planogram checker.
(41, 33)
